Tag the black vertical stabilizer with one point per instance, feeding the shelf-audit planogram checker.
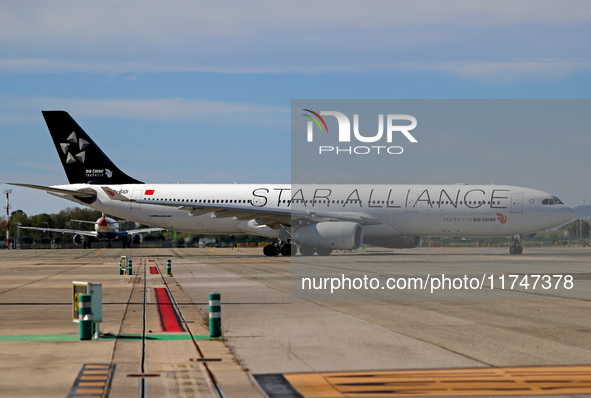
(83, 160)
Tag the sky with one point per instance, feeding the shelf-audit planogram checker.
(200, 92)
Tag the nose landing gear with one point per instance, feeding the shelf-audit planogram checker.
(516, 247)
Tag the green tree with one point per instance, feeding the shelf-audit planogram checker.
(42, 220)
(18, 217)
(578, 228)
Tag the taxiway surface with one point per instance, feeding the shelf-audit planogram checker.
(270, 332)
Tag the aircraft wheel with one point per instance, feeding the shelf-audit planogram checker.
(288, 249)
(307, 251)
(324, 252)
(514, 249)
(271, 250)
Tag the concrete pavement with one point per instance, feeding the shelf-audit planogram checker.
(267, 331)
(41, 355)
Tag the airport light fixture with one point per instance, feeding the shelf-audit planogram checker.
(7, 207)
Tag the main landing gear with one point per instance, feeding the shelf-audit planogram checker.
(289, 249)
(284, 248)
(516, 247)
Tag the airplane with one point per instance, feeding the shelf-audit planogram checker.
(316, 218)
(105, 228)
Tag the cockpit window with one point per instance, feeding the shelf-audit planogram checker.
(553, 201)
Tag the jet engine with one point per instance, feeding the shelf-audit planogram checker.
(395, 242)
(78, 239)
(137, 239)
(343, 235)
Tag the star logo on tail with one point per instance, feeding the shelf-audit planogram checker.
(73, 141)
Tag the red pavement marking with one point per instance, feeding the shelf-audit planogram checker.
(154, 270)
(169, 320)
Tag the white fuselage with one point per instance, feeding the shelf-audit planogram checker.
(456, 210)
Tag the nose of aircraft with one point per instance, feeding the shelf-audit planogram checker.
(568, 214)
(103, 222)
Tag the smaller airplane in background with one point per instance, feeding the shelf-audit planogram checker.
(105, 228)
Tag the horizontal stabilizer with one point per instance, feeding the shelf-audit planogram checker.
(78, 194)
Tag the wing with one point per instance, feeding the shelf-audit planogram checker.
(63, 231)
(139, 231)
(85, 221)
(272, 217)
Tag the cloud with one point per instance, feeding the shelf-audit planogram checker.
(471, 37)
(510, 71)
(160, 109)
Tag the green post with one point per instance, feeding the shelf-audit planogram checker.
(215, 315)
(85, 316)
(168, 267)
(121, 267)
(129, 267)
